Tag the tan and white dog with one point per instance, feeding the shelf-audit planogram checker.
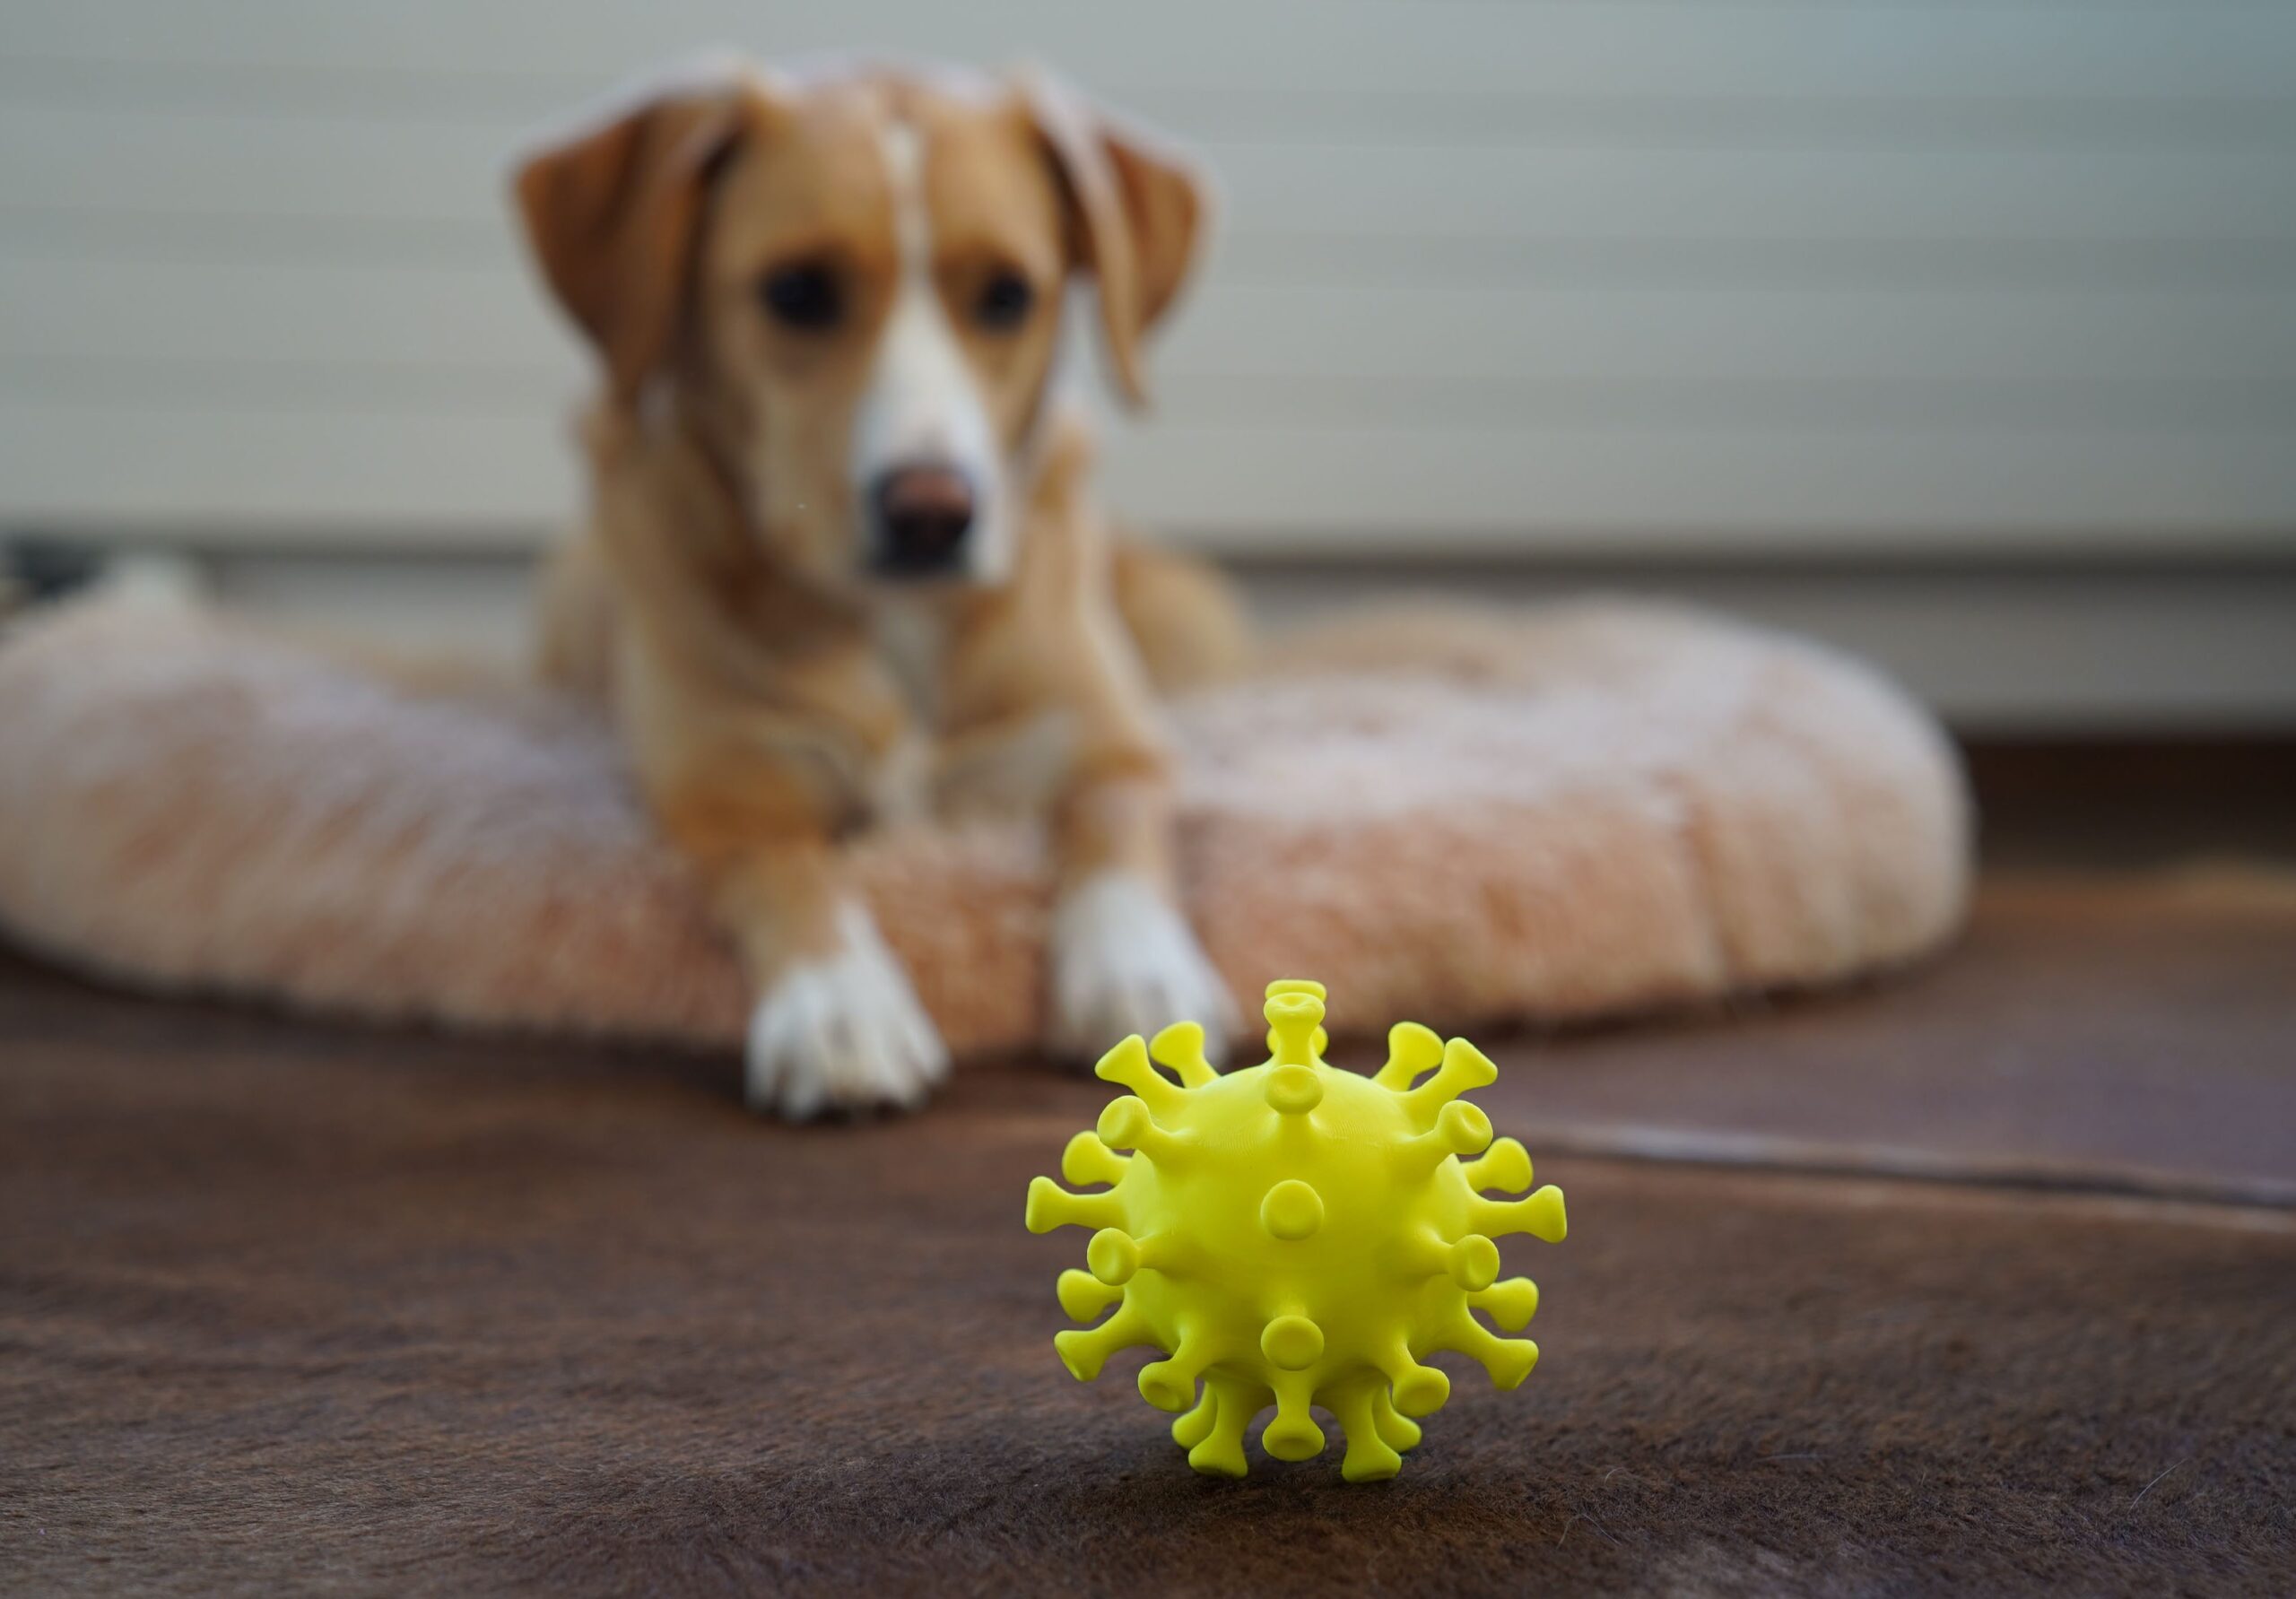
(843, 562)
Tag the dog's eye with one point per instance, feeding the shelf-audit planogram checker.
(807, 297)
(1005, 303)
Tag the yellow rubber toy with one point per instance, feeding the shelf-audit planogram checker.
(1293, 1234)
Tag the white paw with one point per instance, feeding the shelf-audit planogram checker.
(841, 1033)
(1125, 961)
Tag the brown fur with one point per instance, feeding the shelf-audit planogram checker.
(714, 598)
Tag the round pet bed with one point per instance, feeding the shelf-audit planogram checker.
(1462, 818)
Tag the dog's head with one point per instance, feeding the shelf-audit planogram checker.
(857, 278)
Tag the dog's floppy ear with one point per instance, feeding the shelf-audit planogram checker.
(611, 211)
(1138, 209)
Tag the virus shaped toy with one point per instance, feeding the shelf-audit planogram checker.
(1296, 1235)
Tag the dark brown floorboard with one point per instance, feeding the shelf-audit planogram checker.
(2139, 1032)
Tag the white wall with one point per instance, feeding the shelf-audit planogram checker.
(1499, 278)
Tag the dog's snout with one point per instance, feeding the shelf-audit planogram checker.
(924, 512)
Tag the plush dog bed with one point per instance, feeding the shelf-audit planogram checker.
(1464, 818)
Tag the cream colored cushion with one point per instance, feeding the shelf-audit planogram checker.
(1462, 818)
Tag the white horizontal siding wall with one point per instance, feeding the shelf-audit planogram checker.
(1495, 276)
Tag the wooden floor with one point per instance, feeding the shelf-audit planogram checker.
(1980, 1280)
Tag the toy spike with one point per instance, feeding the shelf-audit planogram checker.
(1307, 986)
(1464, 1068)
(1370, 1457)
(1292, 1342)
(1419, 1390)
(1411, 1050)
(1541, 1215)
(1291, 1211)
(1113, 1256)
(1087, 1161)
(1463, 1127)
(1180, 1048)
(1127, 1064)
(1398, 1431)
(1295, 1013)
(1220, 1452)
(1507, 1360)
(1292, 1235)
(1292, 1089)
(1472, 1263)
(1505, 1168)
(1085, 1350)
(1125, 1124)
(1050, 1205)
(1511, 1305)
(1293, 1435)
(1194, 1427)
(1170, 1384)
(1084, 1296)
(1461, 1130)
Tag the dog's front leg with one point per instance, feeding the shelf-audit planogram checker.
(1123, 959)
(751, 761)
(836, 1024)
(1053, 658)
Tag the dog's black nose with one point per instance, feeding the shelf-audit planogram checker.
(922, 514)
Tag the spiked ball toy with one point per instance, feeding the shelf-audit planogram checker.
(1296, 1235)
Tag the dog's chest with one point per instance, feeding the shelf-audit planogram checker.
(927, 769)
(912, 640)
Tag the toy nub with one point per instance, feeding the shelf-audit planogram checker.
(1295, 1235)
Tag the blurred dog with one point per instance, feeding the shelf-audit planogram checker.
(843, 563)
